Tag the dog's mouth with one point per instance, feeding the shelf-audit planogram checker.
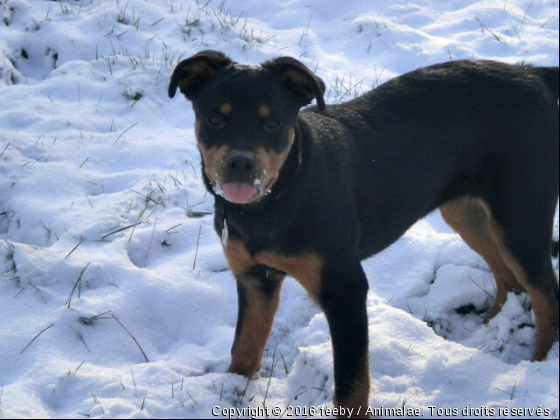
(239, 192)
(243, 192)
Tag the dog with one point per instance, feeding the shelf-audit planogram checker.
(311, 193)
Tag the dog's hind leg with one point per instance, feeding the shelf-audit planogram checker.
(471, 218)
(526, 250)
(259, 297)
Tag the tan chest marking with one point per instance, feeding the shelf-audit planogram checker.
(306, 269)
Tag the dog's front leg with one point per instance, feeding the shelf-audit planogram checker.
(259, 296)
(343, 299)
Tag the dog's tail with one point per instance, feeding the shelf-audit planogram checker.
(550, 77)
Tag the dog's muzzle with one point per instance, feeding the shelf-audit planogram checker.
(240, 169)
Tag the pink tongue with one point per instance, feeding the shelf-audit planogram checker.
(239, 192)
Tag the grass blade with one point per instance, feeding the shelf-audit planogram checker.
(75, 248)
(125, 131)
(131, 336)
(122, 229)
(36, 337)
(78, 282)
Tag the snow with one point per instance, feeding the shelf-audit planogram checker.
(90, 146)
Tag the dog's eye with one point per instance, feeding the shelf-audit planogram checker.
(216, 121)
(272, 124)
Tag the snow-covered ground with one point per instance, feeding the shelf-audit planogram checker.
(90, 145)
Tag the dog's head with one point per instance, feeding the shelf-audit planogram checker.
(245, 118)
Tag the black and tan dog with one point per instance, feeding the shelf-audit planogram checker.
(311, 194)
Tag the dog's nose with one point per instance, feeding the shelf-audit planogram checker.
(240, 163)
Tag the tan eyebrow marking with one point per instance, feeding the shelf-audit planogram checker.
(264, 111)
(225, 108)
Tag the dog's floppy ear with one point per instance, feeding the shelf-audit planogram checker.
(195, 70)
(299, 79)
